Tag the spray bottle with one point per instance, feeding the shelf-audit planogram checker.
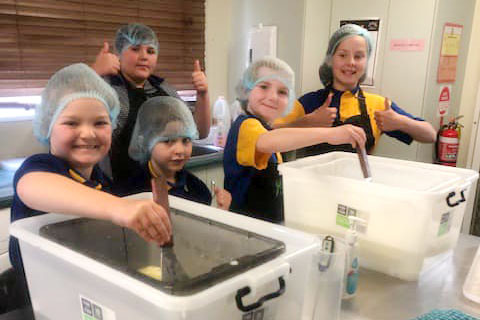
(351, 269)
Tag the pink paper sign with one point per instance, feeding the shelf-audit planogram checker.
(407, 44)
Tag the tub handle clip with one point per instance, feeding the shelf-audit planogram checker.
(246, 290)
(451, 195)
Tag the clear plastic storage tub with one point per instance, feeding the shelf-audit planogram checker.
(221, 266)
(414, 210)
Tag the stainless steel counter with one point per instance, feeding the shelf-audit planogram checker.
(381, 297)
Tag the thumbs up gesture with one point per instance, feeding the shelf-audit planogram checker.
(106, 63)
(388, 119)
(324, 115)
(199, 79)
(224, 198)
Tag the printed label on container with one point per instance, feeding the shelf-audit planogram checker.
(92, 310)
(445, 224)
(344, 211)
(265, 313)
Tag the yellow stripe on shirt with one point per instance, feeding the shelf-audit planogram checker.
(247, 155)
(296, 113)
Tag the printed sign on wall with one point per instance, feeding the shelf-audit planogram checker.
(444, 100)
(447, 65)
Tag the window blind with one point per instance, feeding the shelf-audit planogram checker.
(38, 37)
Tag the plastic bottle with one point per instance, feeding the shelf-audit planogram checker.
(236, 109)
(221, 121)
(351, 269)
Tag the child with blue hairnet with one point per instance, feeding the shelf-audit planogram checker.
(344, 101)
(75, 119)
(162, 144)
(252, 151)
(130, 73)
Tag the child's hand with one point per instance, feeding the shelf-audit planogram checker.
(146, 218)
(106, 63)
(347, 134)
(388, 120)
(324, 115)
(224, 198)
(199, 79)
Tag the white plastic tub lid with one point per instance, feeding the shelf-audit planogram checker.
(204, 252)
(402, 174)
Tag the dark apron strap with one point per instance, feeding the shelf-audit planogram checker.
(362, 121)
(365, 121)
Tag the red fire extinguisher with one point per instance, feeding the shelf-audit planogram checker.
(447, 143)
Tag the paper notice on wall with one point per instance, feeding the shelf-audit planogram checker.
(407, 44)
(262, 42)
(447, 65)
(373, 27)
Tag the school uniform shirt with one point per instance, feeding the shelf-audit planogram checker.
(131, 98)
(52, 164)
(243, 164)
(186, 186)
(346, 103)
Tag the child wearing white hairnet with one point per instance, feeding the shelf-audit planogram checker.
(343, 100)
(75, 120)
(252, 151)
(130, 73)
(162, 144)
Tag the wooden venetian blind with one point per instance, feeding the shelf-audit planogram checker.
(38, 37)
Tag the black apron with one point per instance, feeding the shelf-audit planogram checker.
(264, 199)
(362, 120)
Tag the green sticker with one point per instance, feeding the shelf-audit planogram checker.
(342, 221)
(342, 216)
(444, 224)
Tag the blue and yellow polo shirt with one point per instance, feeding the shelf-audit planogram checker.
(241, 159)
(46, 163)
(347, 106)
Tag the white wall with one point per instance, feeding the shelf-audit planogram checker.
(17, 140)
(287, 15)
(461, 12)
(316, 35)
(218, 14)
(470, 89)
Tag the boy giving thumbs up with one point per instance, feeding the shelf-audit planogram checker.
(130, 72)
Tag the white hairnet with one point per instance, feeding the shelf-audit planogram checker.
(346, 31)
(71, 83)
(160, 119)
(273, 68)
(135, 34)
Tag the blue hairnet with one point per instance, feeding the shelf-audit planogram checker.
(135, 34)
(160, 119)
(66, 85)
(344, 32)
(274, 69)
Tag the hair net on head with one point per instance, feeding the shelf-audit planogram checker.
(71, 83)
(160, 119)
(344, 32)
(135, 34)
(263, 69)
